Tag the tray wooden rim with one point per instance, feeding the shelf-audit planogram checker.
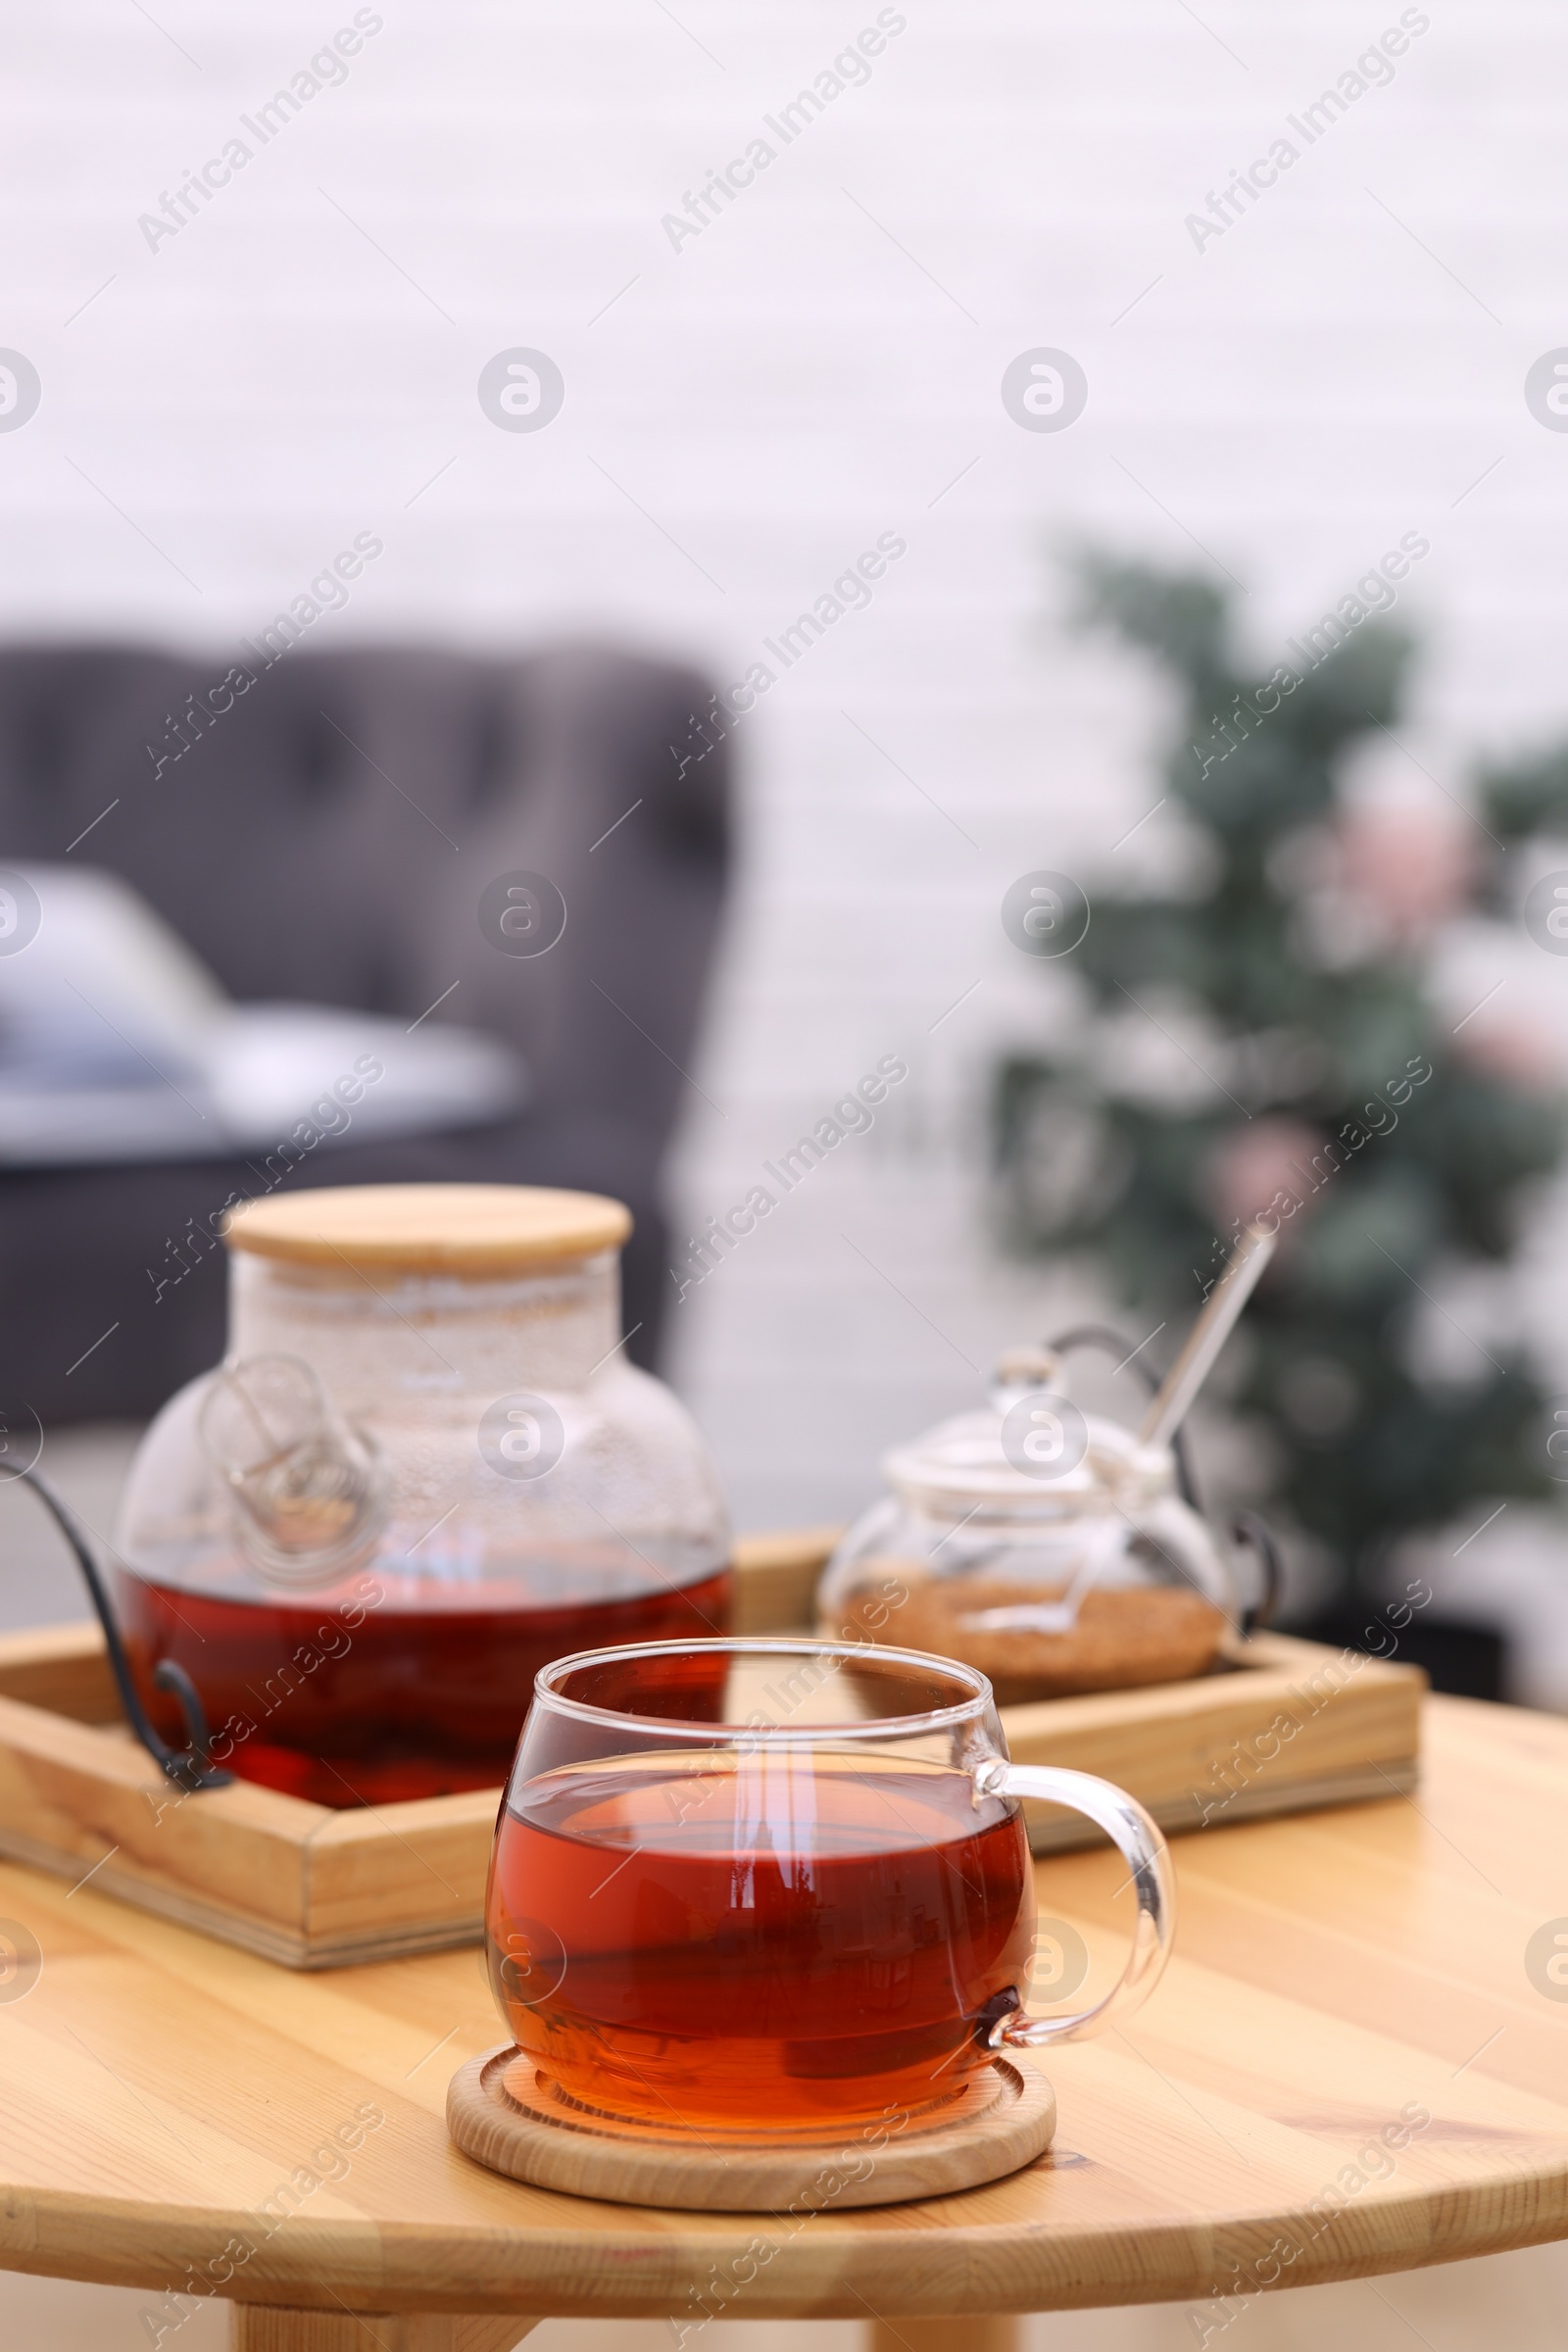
(490, 2125)
(316, 1889)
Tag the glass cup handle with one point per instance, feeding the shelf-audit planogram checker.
(1146, 1856)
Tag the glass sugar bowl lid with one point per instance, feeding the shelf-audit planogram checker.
(1050, 1547)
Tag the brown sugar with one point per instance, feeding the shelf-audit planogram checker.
(1123, 1637)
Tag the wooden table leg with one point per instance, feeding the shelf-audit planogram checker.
(991, 2332)
(257, 2327)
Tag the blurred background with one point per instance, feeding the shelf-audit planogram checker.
(994, 338)
(758, 387)
(447, 231)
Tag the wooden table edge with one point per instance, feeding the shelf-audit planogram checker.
(334, 2266)
(635, 2262)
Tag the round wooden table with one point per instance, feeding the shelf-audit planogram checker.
(1357, 2063)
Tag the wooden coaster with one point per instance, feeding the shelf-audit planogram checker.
(505, 2114)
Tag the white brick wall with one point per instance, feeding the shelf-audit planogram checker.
(781, 390)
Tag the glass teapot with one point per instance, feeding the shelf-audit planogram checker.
(424, 1470)
(1049, 1549)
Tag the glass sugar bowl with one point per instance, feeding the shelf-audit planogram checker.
(1049, 1549)
(424, 1471)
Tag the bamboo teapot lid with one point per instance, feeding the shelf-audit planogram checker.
(474, 1232)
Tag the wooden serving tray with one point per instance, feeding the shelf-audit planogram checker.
(1283, 1727)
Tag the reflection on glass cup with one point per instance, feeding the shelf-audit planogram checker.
(780, 1886)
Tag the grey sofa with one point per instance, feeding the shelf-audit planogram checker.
(327, 837)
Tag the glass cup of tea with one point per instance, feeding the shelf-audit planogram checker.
(777, 1887)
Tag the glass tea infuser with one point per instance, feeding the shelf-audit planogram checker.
(1055, 1551)
(424, 1470)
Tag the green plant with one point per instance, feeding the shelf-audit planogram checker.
(1326, 1095)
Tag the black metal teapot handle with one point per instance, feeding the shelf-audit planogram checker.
(1248, 1528)
(190, 1768)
